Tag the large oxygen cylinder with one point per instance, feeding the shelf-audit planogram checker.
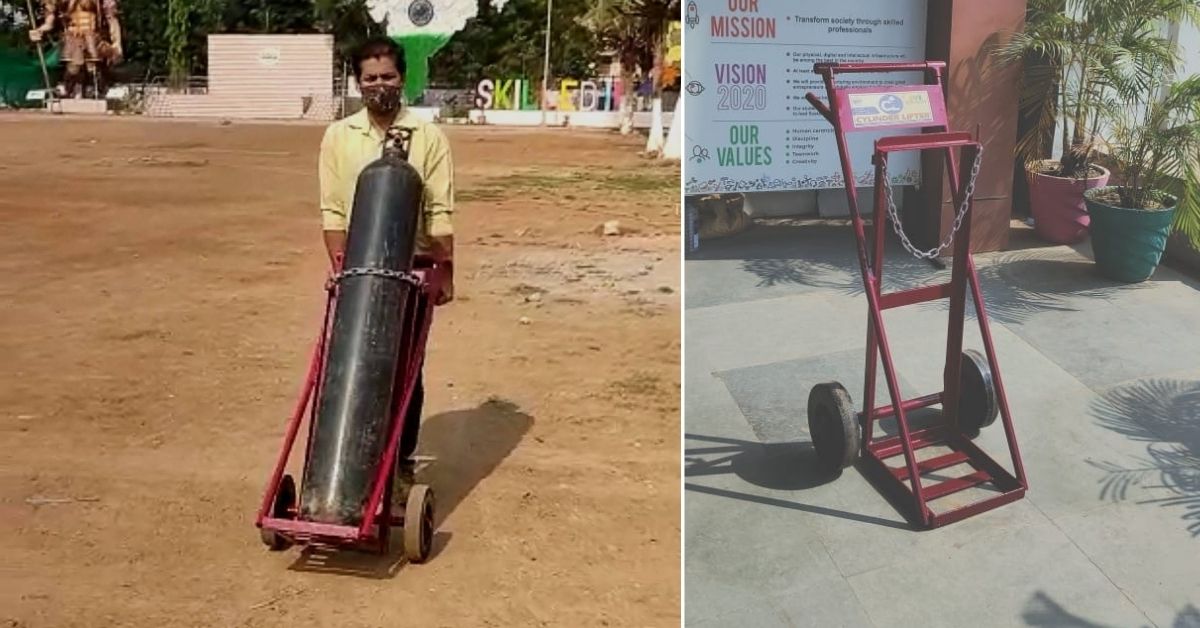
(354, 409)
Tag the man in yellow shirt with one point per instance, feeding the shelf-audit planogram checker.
(354, 142)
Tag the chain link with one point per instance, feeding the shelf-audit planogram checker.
(400, 275)
(962, 212)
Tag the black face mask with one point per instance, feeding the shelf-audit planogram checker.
(382, 98)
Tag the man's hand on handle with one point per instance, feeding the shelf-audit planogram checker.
(335, 244)
(446, 294)
(443, 252)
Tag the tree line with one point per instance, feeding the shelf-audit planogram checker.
(169, 39)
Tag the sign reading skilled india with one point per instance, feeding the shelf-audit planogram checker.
(748, 66)
(602, 94)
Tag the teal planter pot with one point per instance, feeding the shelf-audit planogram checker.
(1128, 243)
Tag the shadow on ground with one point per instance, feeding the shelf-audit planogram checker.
(465, 446)
(1042, 611)
(1164, 414)
(775, 466)
(821, 254)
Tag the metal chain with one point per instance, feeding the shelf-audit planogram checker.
(962, 212)
(400, 275)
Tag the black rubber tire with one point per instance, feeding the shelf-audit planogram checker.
(978, 404)
(833, 426)
(418, 523)
(284, 508)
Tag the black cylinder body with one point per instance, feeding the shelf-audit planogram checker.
(353, 411)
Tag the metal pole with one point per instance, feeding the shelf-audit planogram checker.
(546, 63)
(41, 56)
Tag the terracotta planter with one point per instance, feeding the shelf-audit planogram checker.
(1129, 243)
(1059, 212)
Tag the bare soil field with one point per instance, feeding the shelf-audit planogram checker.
(162, 284)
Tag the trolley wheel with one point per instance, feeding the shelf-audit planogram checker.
(418, 523)
(977, 402)
(833, 425)
(285, 508)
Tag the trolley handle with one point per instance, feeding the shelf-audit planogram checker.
(821, 107)
(827, 68)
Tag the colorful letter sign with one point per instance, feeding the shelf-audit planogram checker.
(602, 94)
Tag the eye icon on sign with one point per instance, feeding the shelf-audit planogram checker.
(695, 88)
(890, 103)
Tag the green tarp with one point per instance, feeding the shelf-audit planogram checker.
(20, 71)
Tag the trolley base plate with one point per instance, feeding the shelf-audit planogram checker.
(881, 458)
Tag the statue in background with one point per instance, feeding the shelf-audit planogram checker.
(91, 41)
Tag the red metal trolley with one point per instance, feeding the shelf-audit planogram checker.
(279, 518)
(973, 393)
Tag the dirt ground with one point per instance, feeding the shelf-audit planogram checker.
(162, 285)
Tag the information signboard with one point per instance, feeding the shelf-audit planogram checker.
(748, 65)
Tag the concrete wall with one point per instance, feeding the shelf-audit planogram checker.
(260, 76)
(1181, 255)
(1189, 49)
(259, 66)
(262, 108)
(579, 119)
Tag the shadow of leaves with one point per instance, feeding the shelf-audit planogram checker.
(1044, 612)
(1016, 285)
(1164, 414)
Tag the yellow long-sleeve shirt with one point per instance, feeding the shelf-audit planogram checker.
(350, 144)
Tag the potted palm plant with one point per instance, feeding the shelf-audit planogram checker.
(1155, 137)
(1065, 48)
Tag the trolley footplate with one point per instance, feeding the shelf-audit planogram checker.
(983, 470)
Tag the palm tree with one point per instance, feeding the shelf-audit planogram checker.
(1162, 143)
(637, 31)
(655, 17)
(1153, 119)
(1086, 54)
(179, 30)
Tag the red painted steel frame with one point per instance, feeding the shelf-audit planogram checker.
(371, 531)
(963, 276)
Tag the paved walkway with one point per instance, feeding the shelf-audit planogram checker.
(1104, 384)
